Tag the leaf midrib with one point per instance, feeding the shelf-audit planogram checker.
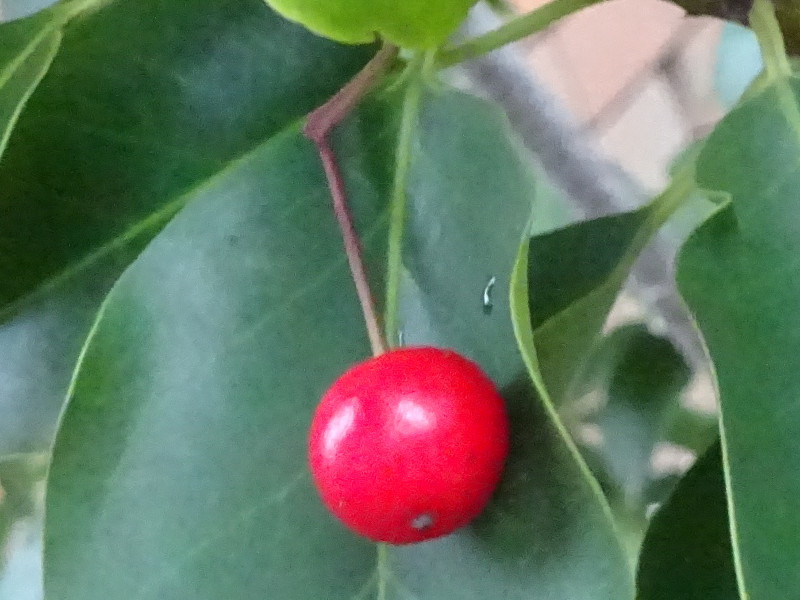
(62, 14)
(150, 222)
(54, 38)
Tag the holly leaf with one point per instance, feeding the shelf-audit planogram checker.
(687, 551)
(737, 274)
(111, 145)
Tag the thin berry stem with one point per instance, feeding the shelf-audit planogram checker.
(352, 245)
(319, 124)
(322, 120)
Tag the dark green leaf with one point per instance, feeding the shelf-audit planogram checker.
(599, 568)
(574, 277)
(26, 49)
(144, 103)
(687, 552)
(738, 273)
(465, 222)
(193, 398)
(545, 533)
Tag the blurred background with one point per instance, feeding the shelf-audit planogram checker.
(606, 101)
(641, 78)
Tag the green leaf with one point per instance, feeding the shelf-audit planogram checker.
(26, 49)
(738, 274)
(463, 229)
(111, 145)
(687, 552)
(598, 566)
(571, 279)
(194, 394)
(644, 378)
(574, 277)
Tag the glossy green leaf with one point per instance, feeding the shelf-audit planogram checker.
(687, 552)
(26, 49)
(464, 225)
(644, 379)
(110, 147)
(471, 220)
(738, 274)
(194, 396)
(195, 392)
(600, 566)
(571, 279)
(574, 277)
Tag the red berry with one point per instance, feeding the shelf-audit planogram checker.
(410, 445)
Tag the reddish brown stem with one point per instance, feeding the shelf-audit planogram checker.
(352, 246)
(318, 127)
(322, 120)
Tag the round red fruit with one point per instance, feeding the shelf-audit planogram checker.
(410, 445)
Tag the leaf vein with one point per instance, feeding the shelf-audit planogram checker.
(234, 522)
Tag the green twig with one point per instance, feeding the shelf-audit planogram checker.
(777, 66)
(408, 124)
(773, 50)
(516, 29)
